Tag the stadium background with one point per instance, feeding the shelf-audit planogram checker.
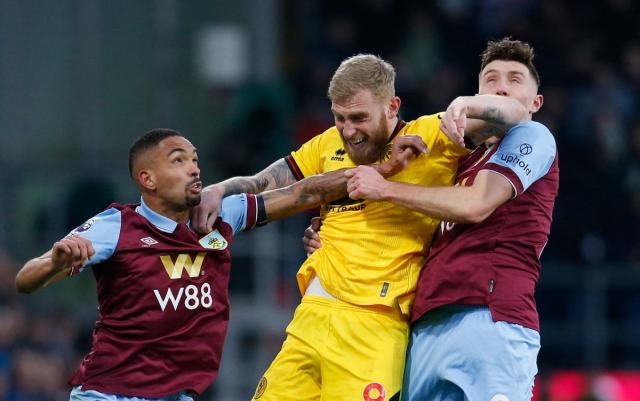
(246, 81)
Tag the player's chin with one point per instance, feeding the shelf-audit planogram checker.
(193, 200)
(364, 156)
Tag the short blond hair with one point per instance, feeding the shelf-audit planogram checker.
(363, 71)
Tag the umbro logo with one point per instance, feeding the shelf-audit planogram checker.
(339, 156)
(148, 241)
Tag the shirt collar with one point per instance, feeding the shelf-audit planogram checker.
(161, 222)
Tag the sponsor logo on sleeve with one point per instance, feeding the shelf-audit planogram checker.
(525, 149)
(87, 225)
(516, 161)
(214, 240)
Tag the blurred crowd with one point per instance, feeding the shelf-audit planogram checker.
(37, 345)
(588, 56)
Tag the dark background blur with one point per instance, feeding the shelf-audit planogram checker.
(246, 82)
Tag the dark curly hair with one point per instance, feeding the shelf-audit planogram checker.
(507, 49)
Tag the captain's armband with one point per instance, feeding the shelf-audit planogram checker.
(261, 220)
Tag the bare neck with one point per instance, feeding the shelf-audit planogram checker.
(166, 209)
(391, 126)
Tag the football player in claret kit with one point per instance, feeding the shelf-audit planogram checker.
(162, 288)
(475, 324)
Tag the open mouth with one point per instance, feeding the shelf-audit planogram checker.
(357, 142)
(196, 187)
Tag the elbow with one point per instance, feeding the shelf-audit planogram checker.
(516, 113)
(23, 284)
(21, 287)
(475, 213)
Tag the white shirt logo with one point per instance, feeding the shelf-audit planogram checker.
(148, 241)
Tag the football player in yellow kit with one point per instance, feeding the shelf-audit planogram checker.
(348, 337)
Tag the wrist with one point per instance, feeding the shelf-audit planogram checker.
(55, 268)
(386, 190)
(216, 189)
(471, 106)
(385, 169)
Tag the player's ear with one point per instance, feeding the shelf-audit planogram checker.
(537, 103)
(146, 179)
(394, 107)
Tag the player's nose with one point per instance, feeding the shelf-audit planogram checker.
(348, 130)
(501, 89)
(194, 171)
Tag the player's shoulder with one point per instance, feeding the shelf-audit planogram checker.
(327, 141)
(532, 129)
(328, 136)
(111, 213)
(110, 217)
(423, 125)
(428, 119)
(529, 138)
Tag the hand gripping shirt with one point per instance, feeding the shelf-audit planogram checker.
(372, 251)
(497, 262)
(163, 299)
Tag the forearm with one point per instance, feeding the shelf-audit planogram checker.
(38, 273)
(453, 204)
(306, 194)
(492, 115)
(312, 192)
(277, 175)
(237, 185)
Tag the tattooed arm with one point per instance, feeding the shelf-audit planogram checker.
(204, 216)
(285, 196)
(319, 189)
(481, 117)
(277, 175)
(305, 194)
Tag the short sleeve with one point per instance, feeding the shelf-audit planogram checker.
(103, 230)
(307, 160)
(525, 154)
(239, 211)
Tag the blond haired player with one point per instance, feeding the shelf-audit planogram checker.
(348, 337)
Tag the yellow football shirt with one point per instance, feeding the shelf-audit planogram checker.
(372, 251)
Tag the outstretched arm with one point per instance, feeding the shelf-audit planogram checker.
(203, 216)
(481, 117)
(319, 189)
(470, 204)
(277, 175)
(54, 265)
(305, 194)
